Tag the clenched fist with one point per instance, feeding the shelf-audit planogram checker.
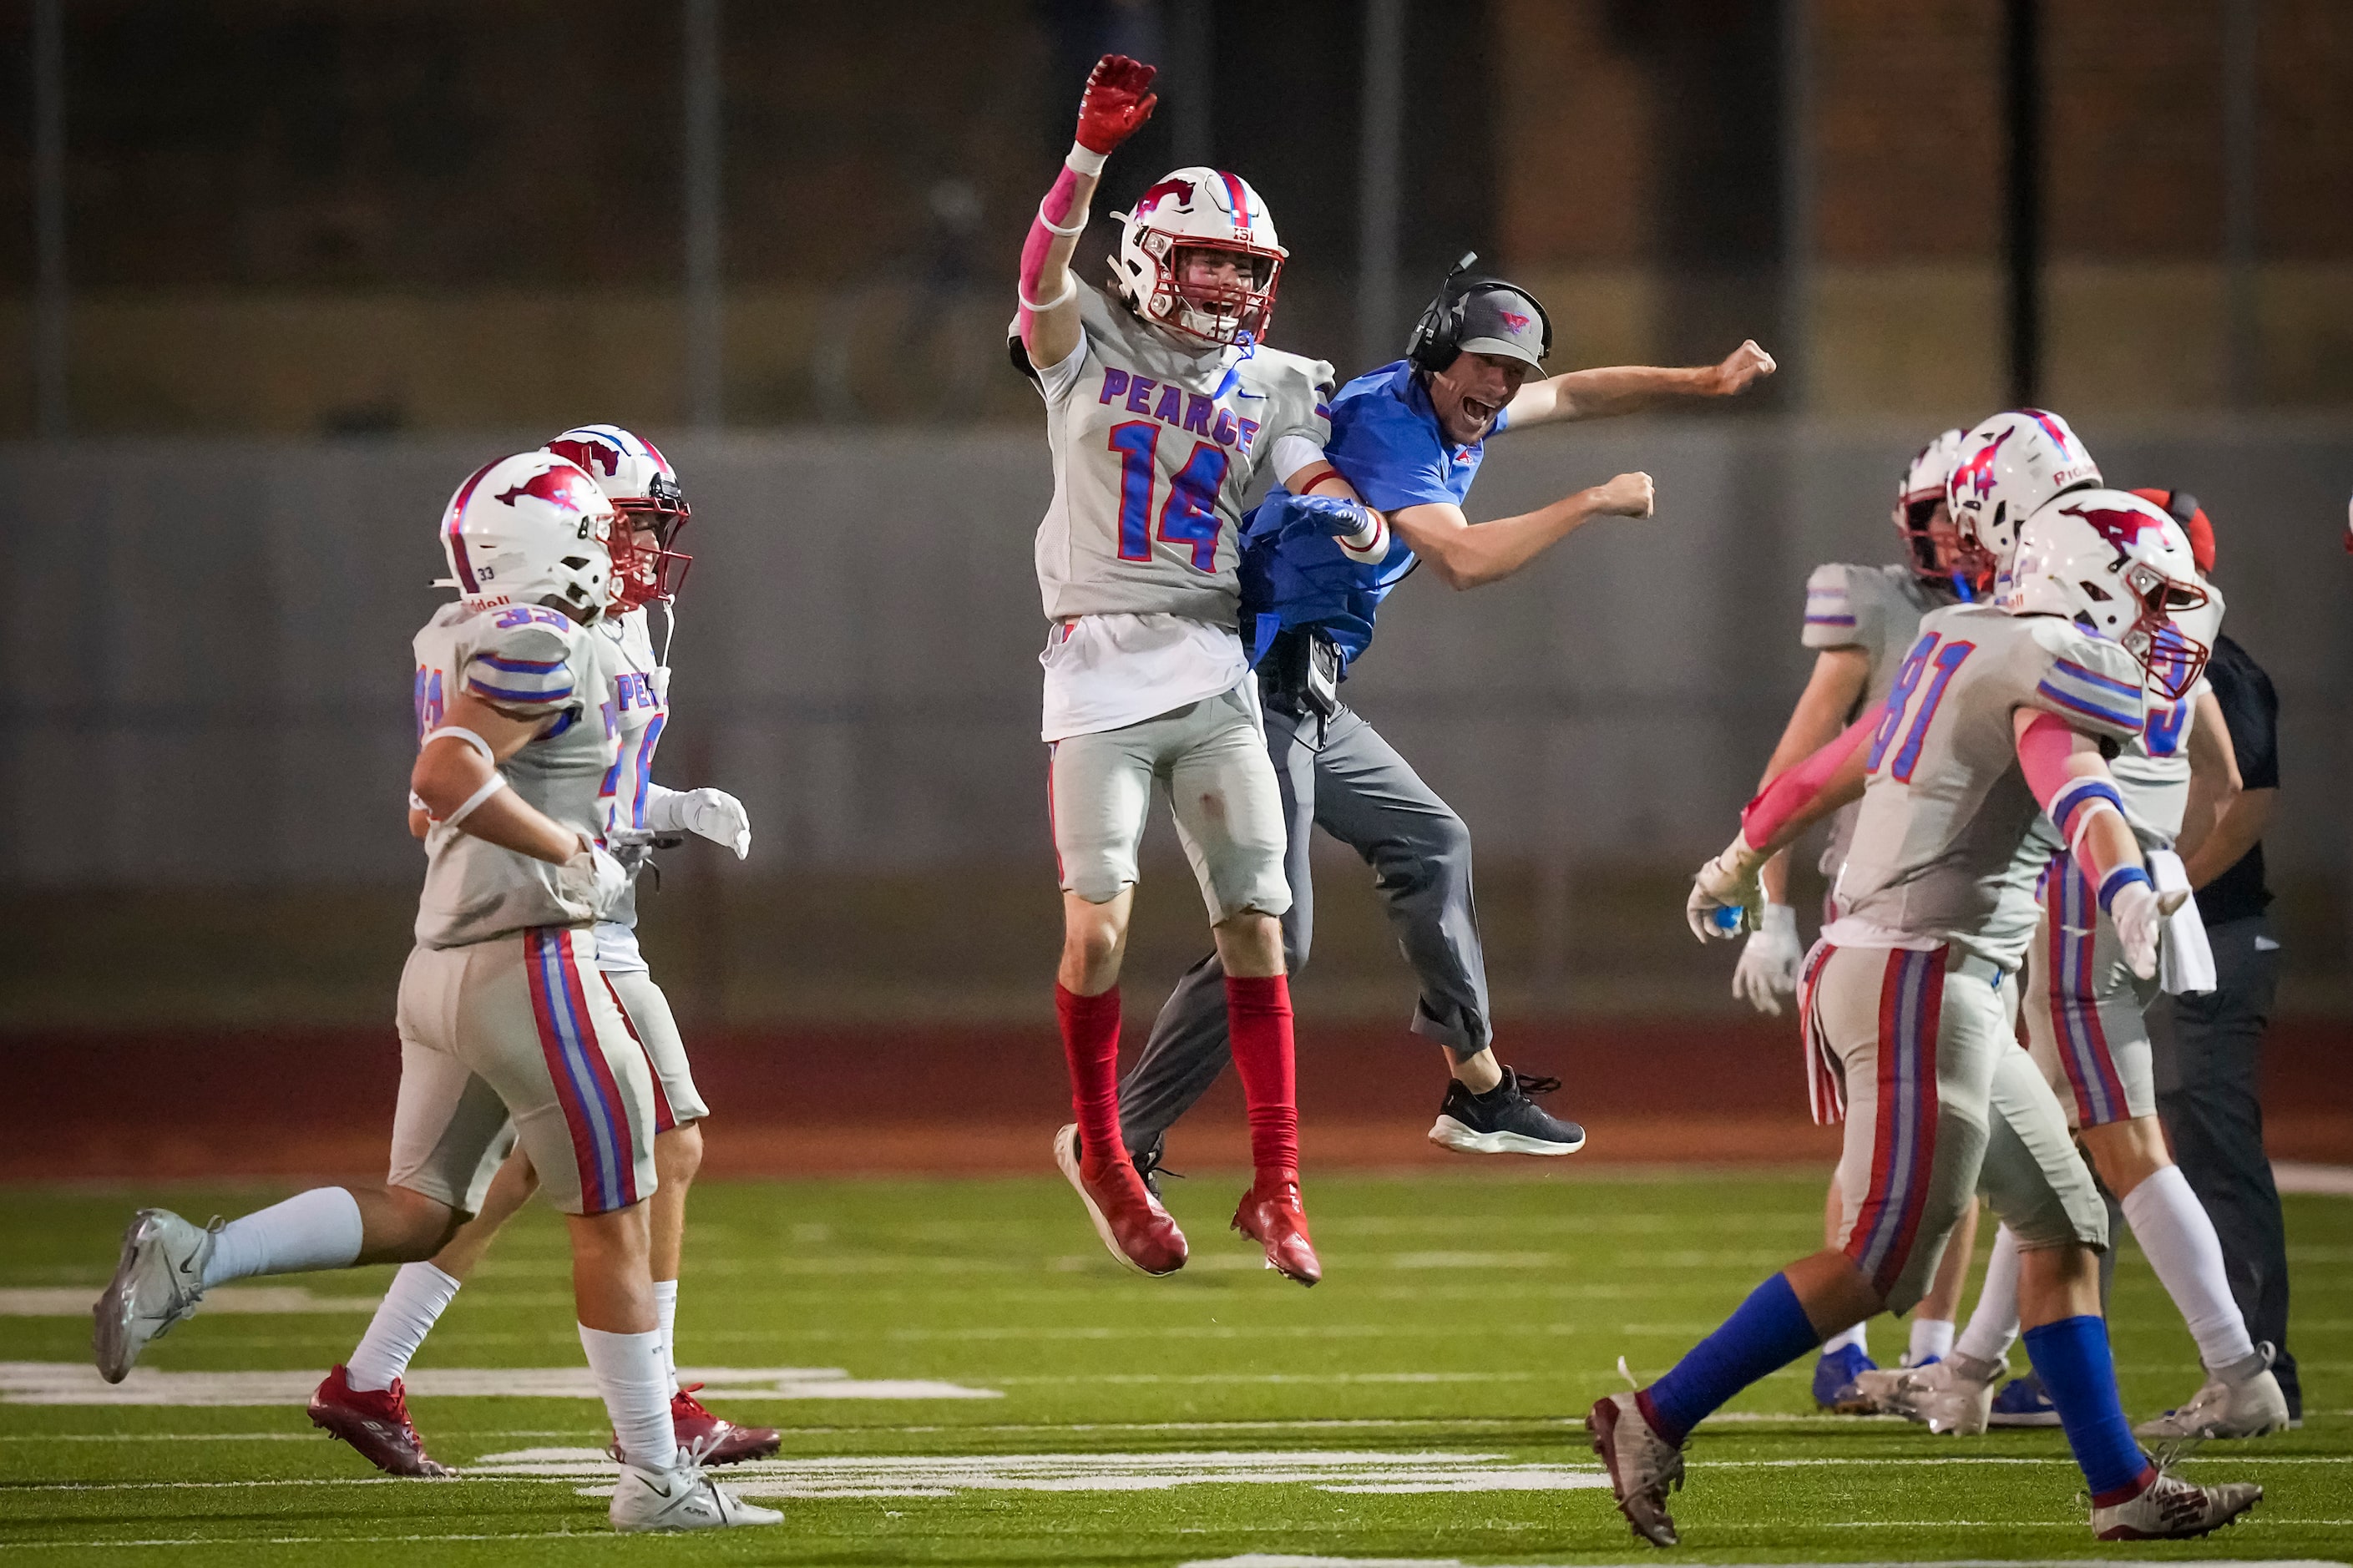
(1628, 495)
(1742, 366)
(1119, 100)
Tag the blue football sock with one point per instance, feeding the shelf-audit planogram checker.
(1767, 1332)
(2070, 1356)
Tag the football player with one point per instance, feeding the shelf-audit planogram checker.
(2084, 1023)
(508, 1032)
(364, 1402)
(1861, 621)
(1162, 403)
(1997, 719)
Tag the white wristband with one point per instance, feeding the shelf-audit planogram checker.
(460, 732)
(417, 803)
(1070, 287)
(497, 782)
(1046, 223)
(1083, 160)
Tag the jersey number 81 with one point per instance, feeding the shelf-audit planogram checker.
(1899, 699)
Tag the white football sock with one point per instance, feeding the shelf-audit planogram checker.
(1932, 1340)
(1993, 1327)
(666, 1318)
(409, 1309)
(317, 1229)
(2180, 1242)
(629, 1375)
(1856, 1336)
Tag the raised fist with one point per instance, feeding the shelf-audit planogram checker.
(1336, 515)
(1742, 366)
(1628, 495)
(1119, 100)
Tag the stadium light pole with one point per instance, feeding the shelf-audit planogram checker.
(706, 304)
(1193, 52)
(1378, 163)
(2021, 80)
(2240, 133)
(51, 410)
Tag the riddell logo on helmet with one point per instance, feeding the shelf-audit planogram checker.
(596, 456)
(557, 487)
(1977, 472)
(1180, 191)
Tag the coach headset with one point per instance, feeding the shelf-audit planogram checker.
(1437, 338)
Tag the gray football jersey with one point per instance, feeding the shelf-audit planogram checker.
(640, 686)
(1878, 610)
(1939, 846)
(1155, 445)
(532, 663)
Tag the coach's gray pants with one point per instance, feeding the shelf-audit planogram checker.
(1357, 789)
(2209, 1050)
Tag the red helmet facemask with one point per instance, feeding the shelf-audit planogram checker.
(2173, 658)
(649, 576)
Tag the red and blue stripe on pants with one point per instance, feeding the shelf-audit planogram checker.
(1903, 1151)
(584, 1087)
(2071, 906)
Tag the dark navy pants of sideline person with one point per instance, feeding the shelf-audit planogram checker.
(2208, 1058)
(1355, 786)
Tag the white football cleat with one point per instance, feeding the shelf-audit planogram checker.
(157, 1284)
(1875, 1392)
(2170, 1509)
(681, 1497)
(2242, 1400)
(1940, 1396)
(1643, 1466)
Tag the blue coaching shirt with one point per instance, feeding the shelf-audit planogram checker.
(1388, 444)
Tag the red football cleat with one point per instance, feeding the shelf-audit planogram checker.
(714, 1439)
(1270, 1216)
(1128, 1218)
(376, 1421)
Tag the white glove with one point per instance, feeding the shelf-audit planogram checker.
(711, 814)
(1769, 963)
(2140, 912)
(591, 882)
(1728, 882)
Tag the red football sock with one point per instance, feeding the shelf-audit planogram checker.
(1091, 1045)
(1258, 1017)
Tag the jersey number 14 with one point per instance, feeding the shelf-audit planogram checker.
(1190, 515)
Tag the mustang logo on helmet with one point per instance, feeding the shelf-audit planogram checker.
(596, 456)
(556, 486)
(1977, 472)
(2119, 527)
(1181, 190)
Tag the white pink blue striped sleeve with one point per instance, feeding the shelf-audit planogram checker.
(2095, 688)
(1832, 612)
(525, 670)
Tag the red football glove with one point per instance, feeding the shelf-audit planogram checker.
(1118, 101)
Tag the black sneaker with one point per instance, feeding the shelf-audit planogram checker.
(1504, 1120)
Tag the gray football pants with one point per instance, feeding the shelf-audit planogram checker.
(1357, 789)
(2208, 1056)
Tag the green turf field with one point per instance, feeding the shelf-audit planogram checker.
(973, 1381)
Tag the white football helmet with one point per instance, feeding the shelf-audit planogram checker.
(2007, 469)
(644, 489)
(1205, 208)
(528, 529)
(1917, 496)
(2117, 566)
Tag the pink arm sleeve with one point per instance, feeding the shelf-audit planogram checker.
(2044, 748)
(1055, 208)
(1779, 803)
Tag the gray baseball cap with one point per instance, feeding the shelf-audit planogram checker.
(1506, 322)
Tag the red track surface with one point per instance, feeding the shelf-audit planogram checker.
(931, 1099)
